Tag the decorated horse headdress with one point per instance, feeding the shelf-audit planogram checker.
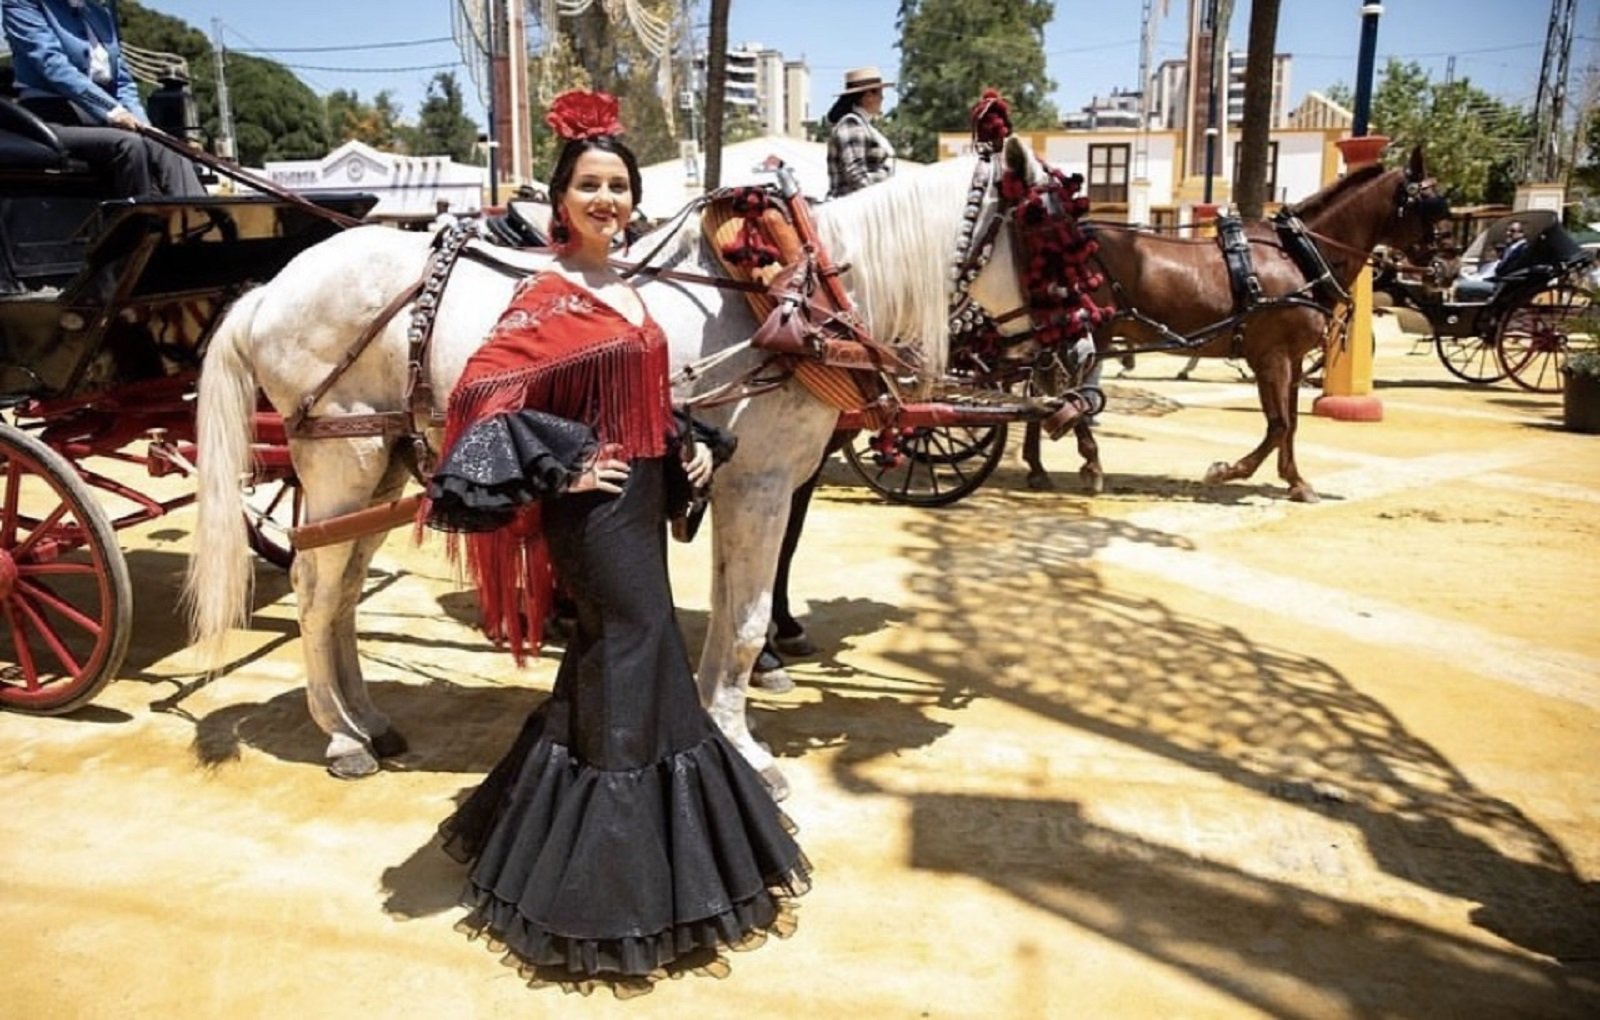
(1052, 253)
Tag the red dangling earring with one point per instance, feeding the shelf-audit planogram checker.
(560, 231)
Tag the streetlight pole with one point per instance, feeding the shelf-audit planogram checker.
(1347, 370)
(1369, 49)
(224, 108)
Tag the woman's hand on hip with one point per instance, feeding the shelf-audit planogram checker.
(602, 473)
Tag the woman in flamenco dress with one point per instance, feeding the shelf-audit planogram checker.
(621, 836)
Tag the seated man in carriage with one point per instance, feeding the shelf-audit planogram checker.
(70, 71)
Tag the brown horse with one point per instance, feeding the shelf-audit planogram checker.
(1171, 293)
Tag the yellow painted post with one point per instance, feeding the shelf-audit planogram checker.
(1347, 360)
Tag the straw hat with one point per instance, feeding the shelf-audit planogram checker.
(863, 79)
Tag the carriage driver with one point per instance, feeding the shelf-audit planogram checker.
(70, 71)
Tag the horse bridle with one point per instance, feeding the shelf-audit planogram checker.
(993, 199)
(1423, 199)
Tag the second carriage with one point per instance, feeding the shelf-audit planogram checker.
(1518, 319)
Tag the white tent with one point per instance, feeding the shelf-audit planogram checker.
(668, 186)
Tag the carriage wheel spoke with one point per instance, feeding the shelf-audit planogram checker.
(58, 569)
(52, 640)
(30, 673)
(9, 515)
(42, 595)
(39, 530)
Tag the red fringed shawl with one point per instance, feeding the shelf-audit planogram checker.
(560, 350)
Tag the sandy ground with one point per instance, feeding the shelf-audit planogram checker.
(1171, 751)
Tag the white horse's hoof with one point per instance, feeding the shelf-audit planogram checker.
(1218, 472)
(776, 784)
(358, 764)
(1304, 494)
(773, 681)
(1094, 483)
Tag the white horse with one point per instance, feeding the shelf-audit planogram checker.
(285, 338)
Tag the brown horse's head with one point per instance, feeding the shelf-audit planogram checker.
(1420, 224)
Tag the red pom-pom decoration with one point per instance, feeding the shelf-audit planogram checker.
(578, 114)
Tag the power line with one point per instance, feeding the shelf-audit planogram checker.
(374, 70)
(345, 49)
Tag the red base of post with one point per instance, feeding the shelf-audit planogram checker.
(1363, 408)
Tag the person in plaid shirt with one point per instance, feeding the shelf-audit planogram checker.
(858, 153)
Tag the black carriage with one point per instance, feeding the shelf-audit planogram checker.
(105, 310)
(1518, 318)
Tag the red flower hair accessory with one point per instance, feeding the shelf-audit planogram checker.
(578, 114)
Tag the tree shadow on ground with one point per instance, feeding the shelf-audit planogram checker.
(1027, 620)
(1284, 950)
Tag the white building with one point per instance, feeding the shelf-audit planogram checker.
(409, 188)
(775, 91)
(1299, 162)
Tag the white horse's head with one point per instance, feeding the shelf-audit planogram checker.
(899, 239)
(997, 290)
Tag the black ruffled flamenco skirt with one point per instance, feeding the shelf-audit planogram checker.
(622, 833)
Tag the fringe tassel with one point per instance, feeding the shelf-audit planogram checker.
(621, 390)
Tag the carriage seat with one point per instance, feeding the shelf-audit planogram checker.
(28, 144)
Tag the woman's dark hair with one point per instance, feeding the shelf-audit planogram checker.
(561, 177)
(841, 106)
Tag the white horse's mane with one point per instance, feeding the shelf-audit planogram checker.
(899, 238)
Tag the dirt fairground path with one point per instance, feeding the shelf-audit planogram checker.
(1169, 751)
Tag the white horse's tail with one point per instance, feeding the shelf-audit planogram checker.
(221, 573)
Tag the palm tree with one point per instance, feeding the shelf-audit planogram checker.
(1250, 177)
(716, 82)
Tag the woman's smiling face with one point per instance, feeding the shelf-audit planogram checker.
(599, 201)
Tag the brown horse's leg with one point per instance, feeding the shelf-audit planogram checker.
(1038, 477)
(1300, 490)
(1272, 380)
(1094, 479)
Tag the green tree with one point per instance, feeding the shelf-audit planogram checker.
(591, 51)
(375, 123)
(275, 115)
(951, 50)
(443, 127)
(1474, 144)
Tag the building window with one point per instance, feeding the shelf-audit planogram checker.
(1272, 167)
(1108, 173)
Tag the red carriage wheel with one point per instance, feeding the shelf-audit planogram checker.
(66, 603)
(1536, 335)
(927, 466)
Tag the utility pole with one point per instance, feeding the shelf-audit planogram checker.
(1220, 12)
(493, 27)
(224, 110)
(1550, 106)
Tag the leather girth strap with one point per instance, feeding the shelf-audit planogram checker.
(302, 425)
(426, 294)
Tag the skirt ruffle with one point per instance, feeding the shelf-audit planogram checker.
(581, 872)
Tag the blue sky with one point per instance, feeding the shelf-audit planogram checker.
(1092, 46)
